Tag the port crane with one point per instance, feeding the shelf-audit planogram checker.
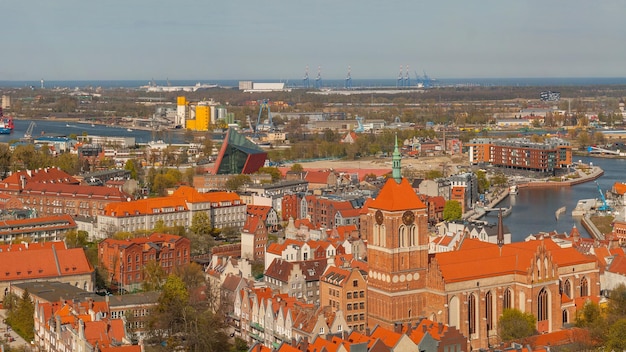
(29, 132)
(605, 206)
(269, 126)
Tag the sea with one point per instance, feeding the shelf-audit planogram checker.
(330, 83)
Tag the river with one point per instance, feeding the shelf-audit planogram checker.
(534, 208)
(51, 127)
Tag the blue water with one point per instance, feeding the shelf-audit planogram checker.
(333, 83)
(59, 128)
(534, 209)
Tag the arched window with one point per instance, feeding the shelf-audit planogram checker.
(402, 236)
(381, 232)
(375, 235)
(489, 310)
(584, 287)
(567, 288)
(506, 298)
(471, 314)
(565, 317)
(542, 305)
(454, 312)
(413, 235)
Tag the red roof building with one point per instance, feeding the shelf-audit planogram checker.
(124, 260)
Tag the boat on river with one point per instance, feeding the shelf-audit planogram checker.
(559, 212)
(513, 190)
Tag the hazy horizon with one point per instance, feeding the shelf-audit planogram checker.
(190, 40)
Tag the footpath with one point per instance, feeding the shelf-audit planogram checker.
(10, 337)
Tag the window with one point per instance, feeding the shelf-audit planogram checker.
(349, 306)
(489, 310)
(362, 305)
(567, 288)
(584, 287)
(355, 283)
(321, 330)
(542, 305)
(471, 313)
(349, 295)
(507, 299)
(361, 294)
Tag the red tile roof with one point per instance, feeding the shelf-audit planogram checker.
(514, 258)
(397, 196)
(43, 263)
(317, 176)
(388, 337)
(47, 175)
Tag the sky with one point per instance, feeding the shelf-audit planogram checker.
(278, 39)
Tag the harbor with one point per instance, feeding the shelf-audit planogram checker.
(531, 203)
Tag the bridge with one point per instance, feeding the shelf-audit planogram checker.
(505, 211)
(598, 150)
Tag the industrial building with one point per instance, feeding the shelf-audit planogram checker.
(199, 116)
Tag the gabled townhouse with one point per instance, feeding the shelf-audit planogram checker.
(294, 250)
(320, 321)
(254, 239)
(345, 217)
(300, 279)
(265, 213)
(124, 260)
(86, 326)
(345, 289)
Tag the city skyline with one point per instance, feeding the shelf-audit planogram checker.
(189, 40)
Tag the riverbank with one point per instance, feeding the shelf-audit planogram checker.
(585, 174)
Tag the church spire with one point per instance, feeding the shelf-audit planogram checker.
(396, 169)
(500, 239)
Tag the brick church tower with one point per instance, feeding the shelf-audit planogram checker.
(396, 227)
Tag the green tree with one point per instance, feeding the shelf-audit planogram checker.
(20, 315)
(76, 238)
(181, 321)
(433, 174)
(68, 162)
(591, 318)
(499, 179)
(452, 210)
(616, 338)
(272, 171)
(515, 325)
(235, 182)
(5, 160)
(154, 276)
(133, 165)
(483, 182)
(296, 168)
(616, 308)
(201, 234)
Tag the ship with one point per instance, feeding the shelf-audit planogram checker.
(6, 124)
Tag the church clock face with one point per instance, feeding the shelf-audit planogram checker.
(408, 217)
(379, 217)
